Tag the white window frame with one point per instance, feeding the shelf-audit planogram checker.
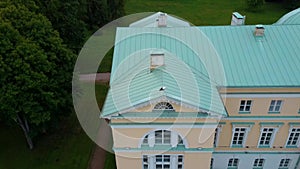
(230, 165)
(164, 106)
(145, 162)
(163, 161)
(247, 129)
(283, 162)
(290, 132)
(257, 164)
(173, 161)
(175, 139)
(217, 135)
(244, 106)
(274, 105)
(180, 162)
(163, 138)
(273, 136)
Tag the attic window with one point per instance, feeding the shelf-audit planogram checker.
(157, 59)
(163, 106)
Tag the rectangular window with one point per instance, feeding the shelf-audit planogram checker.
(216, 137)
(145, 162)
(163, 161)
(275, 106)
(211, 163)
(233, 163)
(180, 162)
(293, 139)
(162, 137)
(258, 163)
(266, 137)
(245, 105)
(158, 137)
(166, 137)
(284, 163)
(238, 137)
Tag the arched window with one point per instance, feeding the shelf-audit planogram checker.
(163, 106)
(162, 137)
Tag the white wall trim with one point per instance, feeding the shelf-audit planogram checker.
(287, 139)
(264, 95)
(168, 126)
(273, 135)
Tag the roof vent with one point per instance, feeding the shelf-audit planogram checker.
(157, 59)
(259, 30)
(237, 19)
(162, 20)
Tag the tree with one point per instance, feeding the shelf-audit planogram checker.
(254, 5)
(35, 71)
(65, 17)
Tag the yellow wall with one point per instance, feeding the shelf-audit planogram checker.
(260, 106)
(203, 137)
(259, 90)
(132, 160)
(196, 137)
(254, 135)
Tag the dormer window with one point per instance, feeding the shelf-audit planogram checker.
(163, 106)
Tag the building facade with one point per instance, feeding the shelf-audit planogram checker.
(186, 97)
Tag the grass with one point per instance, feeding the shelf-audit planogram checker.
(67, 147)
(208, 12)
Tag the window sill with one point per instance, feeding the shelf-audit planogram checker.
(291, 146)
(274, 112)
(264, 146)
(237, 146)
(244, 112)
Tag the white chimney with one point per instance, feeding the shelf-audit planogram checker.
(156, 60)
(162, 20)
(237, 19)
(259, 30)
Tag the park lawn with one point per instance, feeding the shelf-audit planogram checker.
(67, 147)
(208, 12)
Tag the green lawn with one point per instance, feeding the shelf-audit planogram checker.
(207, 12)
(66, 148)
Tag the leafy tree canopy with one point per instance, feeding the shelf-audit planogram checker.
(35, 70)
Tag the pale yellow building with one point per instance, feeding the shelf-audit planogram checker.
(185, 97)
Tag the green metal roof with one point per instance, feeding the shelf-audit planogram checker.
(291, 18)
(197, 61)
